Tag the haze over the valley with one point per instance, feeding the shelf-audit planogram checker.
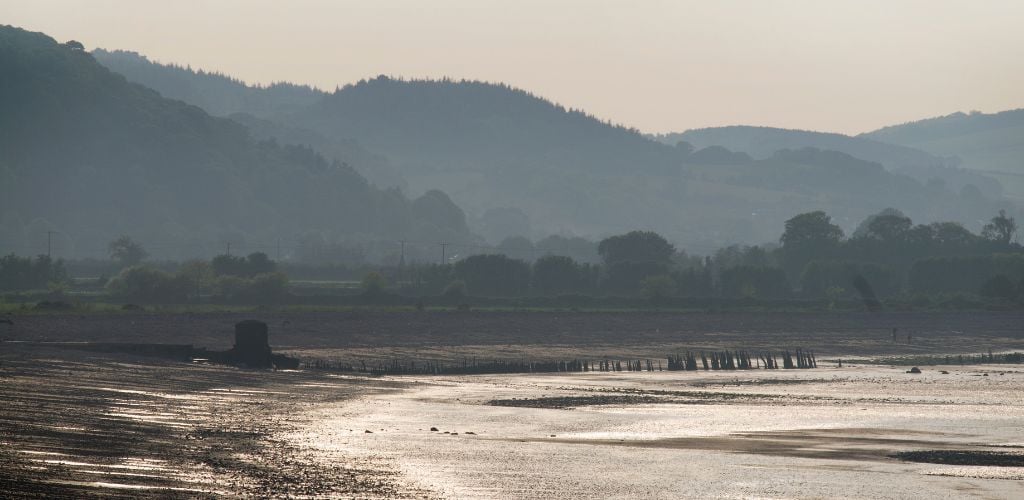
(520, 249)
(334, 132)
(839, 66)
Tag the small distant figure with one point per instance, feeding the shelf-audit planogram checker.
(840, 363)
(894, 331)
(910, 337)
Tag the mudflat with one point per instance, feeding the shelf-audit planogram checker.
(369, 333)
(77, 423)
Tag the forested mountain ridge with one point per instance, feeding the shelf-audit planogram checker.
(447, 125)
(494, 146)
(491, 145)
(932, 130)
(763, 142)
(375, 167)
(757, 195)
(988, 142)
(88, 155)
(252, 106)
(550, 170)
(218, 94)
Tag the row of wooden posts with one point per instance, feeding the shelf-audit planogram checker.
(741, 360)
(977, 359)
(715, 360)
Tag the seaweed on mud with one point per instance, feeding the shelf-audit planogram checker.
(568, 402)
(963, 457)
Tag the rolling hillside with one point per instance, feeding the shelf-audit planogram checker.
(496, 149)
(763, 142)
(88, 156)
(991, 143)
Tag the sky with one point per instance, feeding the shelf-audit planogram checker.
(659, 66)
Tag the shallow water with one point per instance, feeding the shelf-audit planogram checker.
(815, 433)
(92, 425)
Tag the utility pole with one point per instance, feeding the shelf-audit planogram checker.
(443, 247)
(228, 252)
(49, 239)
(401, 263)
(279, 249)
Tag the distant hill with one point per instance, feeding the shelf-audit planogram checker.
(429, 127)
(763, 142)
(250, 105)
(218, 94)
(516, 162)
(993, 143)
(494, 146)
(375, 167)
(761, 194)
(89, 156)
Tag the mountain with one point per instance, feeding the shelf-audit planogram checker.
(755, 197)
(763, 142)
(86, 156)
(375, 167)
(991, 143)
(519, 163)
(218, 94)
(250, 105)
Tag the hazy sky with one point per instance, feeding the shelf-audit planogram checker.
(846, 66)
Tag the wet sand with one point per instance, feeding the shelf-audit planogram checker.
(76, 423)
(817, 433)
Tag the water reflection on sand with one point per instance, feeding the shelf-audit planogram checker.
(827, 432)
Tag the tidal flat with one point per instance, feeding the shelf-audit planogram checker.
(79, 424)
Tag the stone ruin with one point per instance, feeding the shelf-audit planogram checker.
(252, 348)
(252, 343)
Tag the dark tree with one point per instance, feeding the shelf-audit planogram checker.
(862, 228)
(889, 228)
(636, 246)
(999, 286)
(229, 265)
(581, 250)
(952, 235)
(631, 257)
(1001, 228)
(493, 275)
(807, 237)
(260, 263)
(126, 251)
(554, 274)
(812, 229)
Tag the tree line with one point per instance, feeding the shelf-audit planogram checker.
(887, 255)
